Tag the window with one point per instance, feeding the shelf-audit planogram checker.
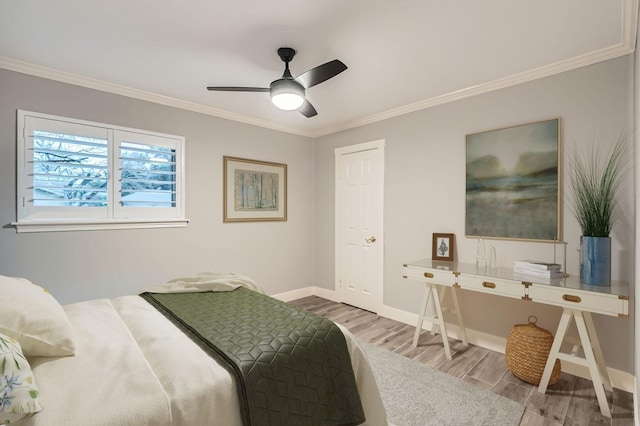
(75, 174)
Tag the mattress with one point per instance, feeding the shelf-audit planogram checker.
(134, 367)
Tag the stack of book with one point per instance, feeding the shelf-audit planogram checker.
(534, 270)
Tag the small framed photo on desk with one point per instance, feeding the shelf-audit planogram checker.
(442, 248)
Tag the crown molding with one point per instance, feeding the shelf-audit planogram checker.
(513, 80)
(104, 86)
(627, 46)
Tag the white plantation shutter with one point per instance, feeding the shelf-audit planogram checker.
(73, 170)
(75, 174)
(149, 177)
(64, 170)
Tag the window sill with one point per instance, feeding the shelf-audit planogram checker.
(93, 225)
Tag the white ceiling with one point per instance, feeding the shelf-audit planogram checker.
(402, 55)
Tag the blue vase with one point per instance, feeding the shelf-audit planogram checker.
(595, 260)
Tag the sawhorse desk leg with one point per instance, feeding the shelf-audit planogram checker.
(593, 359)
(432, 292)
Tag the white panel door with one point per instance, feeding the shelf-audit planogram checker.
(359, 224)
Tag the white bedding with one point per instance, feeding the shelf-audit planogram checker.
(134, 367)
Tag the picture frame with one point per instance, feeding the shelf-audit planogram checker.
(513, 185)
(443, 246)
(253, 190)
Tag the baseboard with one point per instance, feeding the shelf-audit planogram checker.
(326, 294)
(305, 292)
(620, 379)
(294, 294)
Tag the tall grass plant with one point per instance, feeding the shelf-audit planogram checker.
(595, 180)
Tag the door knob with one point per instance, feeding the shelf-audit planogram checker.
(370, 240)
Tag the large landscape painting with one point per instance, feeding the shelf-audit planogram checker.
(512, 188)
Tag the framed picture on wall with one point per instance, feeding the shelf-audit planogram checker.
(442, 247)
(253, 190)
(513, 182)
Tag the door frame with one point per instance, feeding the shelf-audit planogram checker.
(378, 144)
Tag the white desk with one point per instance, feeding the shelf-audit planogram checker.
(578, 301)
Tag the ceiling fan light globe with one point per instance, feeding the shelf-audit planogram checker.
(287, 94)
(287, 101)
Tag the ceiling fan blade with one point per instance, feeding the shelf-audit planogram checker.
(238, 89)
(307, 109)
(321, 73)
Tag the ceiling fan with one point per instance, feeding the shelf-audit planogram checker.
(288, 93)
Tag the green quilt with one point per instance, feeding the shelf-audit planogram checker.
(291, 367)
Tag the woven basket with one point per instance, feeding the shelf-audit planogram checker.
(528, 348)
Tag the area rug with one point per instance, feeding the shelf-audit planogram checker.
(415, 394)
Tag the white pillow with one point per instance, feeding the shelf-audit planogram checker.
(29, 314)
(18, 389)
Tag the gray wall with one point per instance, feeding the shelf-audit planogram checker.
(92, 264)
(636, 121)
(425, 156)
(425, 191)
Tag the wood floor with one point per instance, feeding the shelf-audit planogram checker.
(571, 401)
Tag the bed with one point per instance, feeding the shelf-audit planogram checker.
(120, 361)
